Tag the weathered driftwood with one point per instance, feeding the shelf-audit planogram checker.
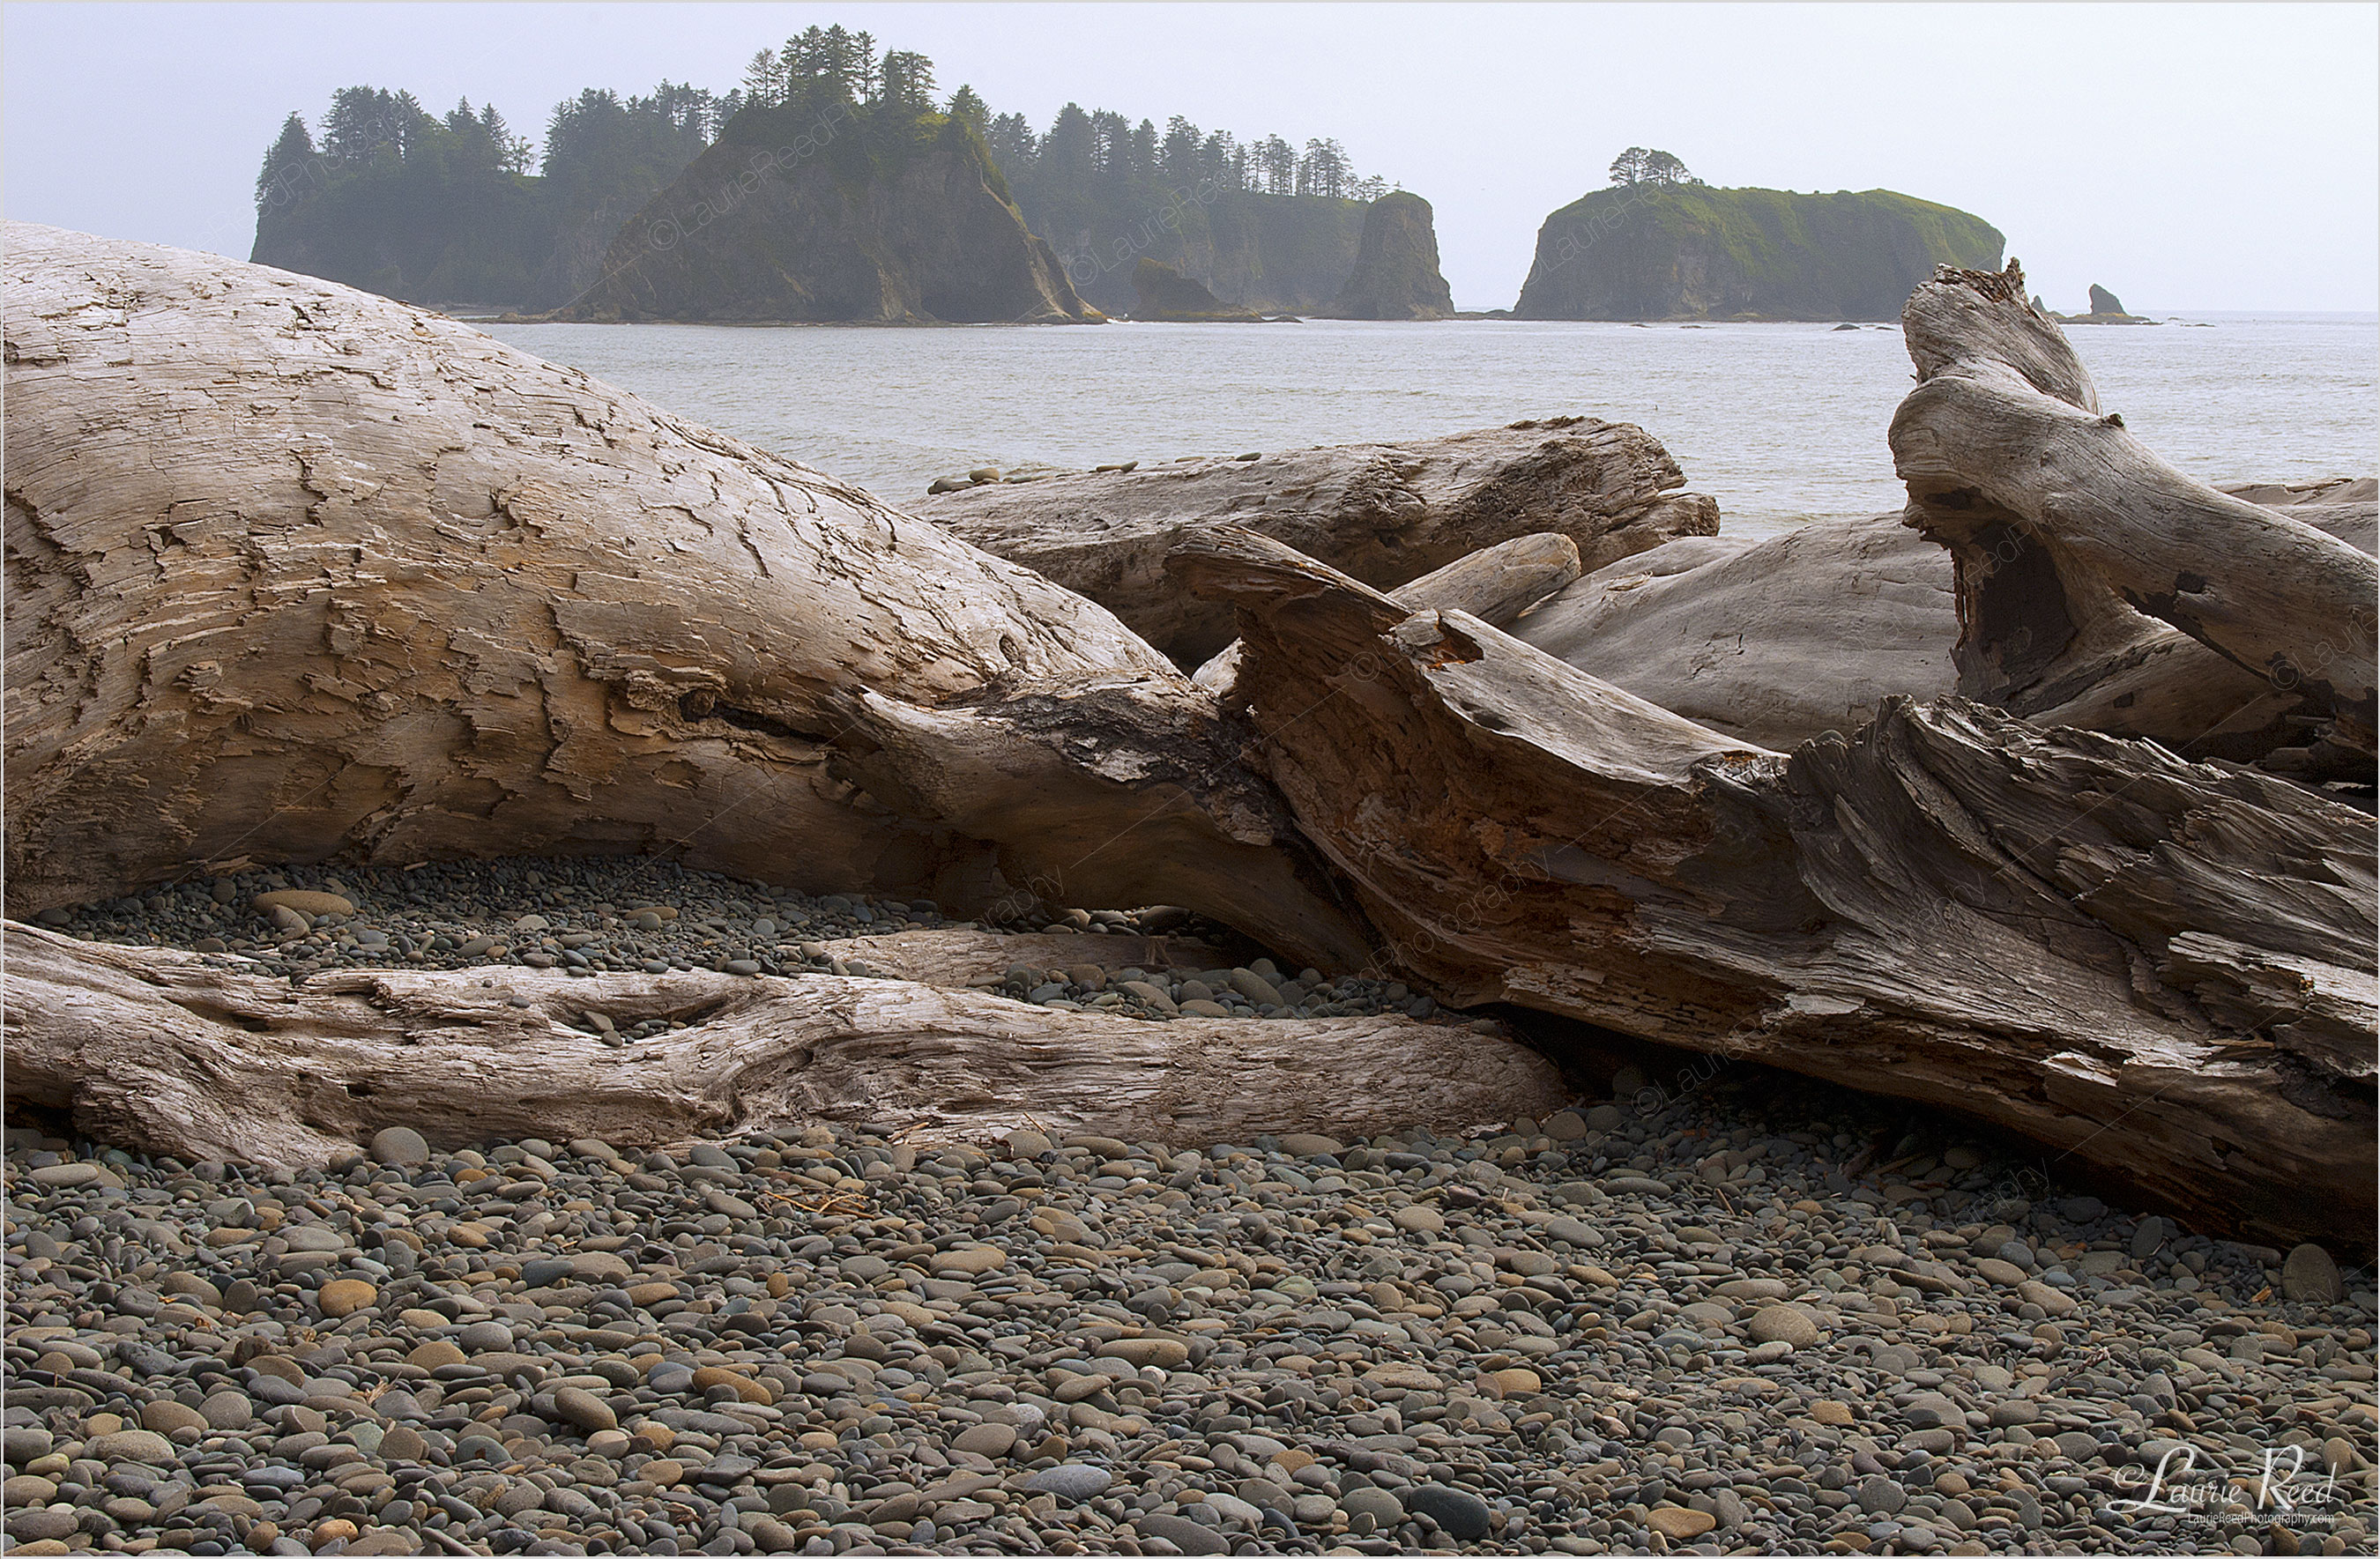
(2066, 531)
(956, 957)
(1775, 641)
(149, 1048)
(2163, 971)
(1495, 585)
(1386, 513)
(294, 572)
(1771, 642)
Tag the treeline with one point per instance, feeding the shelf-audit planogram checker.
(397, 200)
(385, 194)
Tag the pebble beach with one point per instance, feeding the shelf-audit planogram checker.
(1724, 1311)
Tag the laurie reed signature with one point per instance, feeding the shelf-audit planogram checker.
(2181, 1486)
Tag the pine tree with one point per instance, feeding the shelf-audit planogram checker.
(287, 162)
(966, 105)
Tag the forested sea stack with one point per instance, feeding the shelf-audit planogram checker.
(1649, 250)
(834, 216)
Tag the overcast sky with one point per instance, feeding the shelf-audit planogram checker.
(2189, 157)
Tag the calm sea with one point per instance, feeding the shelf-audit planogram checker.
(1779, 423)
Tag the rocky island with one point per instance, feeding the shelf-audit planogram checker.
(2107, 309)
(1686, 251)
(900, 223)
(1163, 294)
(1396, 274)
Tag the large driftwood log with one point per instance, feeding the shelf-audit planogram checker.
(954, 956)
(295, 573)
(1495, 585)
(2066, 532)
(2162, 970)
(1771, 642)
(1776, 640)
(154, 1050)
(1386, 513)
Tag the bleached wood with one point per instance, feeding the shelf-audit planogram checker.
(1386, 513)
(151, 1049)
(2058, 933)
(1495, 585)
(1773, 641)
(954, 957)
(296, 573)
(2063, 525)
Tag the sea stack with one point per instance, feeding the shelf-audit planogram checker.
(1166, 295)
(1396, 274)
(775, 224)
(2105, 302)
(1655, 251)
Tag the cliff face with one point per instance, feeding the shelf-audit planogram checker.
(1273, 253)
(789, 218)
(1652, 252)
(1396, 274)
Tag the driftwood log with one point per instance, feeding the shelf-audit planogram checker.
(2163, 971)
(2068, 537)
(151, 1046)
(1495, 585)
(1385, 513)
(1775, 641)
(294, 572)
(1769, 642)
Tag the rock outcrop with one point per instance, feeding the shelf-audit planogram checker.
(1669, 252)
(782, 222)
(2107, 309)
(1164, 294)
(1385, 513)
(1396, 274)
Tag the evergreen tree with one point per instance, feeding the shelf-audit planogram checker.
(905, 82)
(1629, 166)
(966, 105)
(1279, 160)
(286, 162)
(1661, 167)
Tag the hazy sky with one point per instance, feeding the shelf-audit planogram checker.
(2190, 157)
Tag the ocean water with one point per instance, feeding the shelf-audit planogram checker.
(1779, 423)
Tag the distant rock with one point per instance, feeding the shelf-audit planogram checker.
(1167, 295)
(1396, 274)
(1650, 251)
(2107, 309)
(915, 230)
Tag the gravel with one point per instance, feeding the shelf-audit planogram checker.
(1757, 1315)
(637, 914)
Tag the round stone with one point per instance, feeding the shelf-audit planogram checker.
(992, 1440)
(399, 1147)
(1460, 1513)
(169, 1416)
(1679, 1524)
(584, 1409)
(1783, 1323)
(345, 1295)
(2310, 1276)
(1072, 1480)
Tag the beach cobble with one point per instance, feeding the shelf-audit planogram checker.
(639, 915)
(1736, 1315)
